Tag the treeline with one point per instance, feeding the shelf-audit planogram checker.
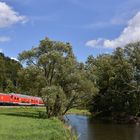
(108, 85)
(117, 77)
(9, 74)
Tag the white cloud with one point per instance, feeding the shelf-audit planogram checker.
(131, 33)
(8, 16)
(4, 39)
(115, 21)
(93, 43)
(14, 58)
(1, 50)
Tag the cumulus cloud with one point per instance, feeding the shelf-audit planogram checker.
(8, 16)
(14, 58)
(131, 33)
(4, 39)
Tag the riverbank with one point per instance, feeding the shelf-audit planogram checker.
(23, 123)
(79, 112)
(119, 118)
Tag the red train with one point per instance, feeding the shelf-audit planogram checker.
(19, 99)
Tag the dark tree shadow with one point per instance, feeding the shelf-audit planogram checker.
(23, 114)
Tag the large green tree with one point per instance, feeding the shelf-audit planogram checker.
(53, 73)
(117, 77)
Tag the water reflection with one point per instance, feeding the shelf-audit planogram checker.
(88, 129)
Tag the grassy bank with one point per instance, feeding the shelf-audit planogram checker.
(79, 112)
(24, 124)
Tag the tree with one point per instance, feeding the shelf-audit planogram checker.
(56, 76)
(117, 79)
(132, 52)
(8, 74)
(101, 72)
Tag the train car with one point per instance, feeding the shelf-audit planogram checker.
(4, 98)
(20, 99)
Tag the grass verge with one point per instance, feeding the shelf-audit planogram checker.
(23, 124)
(79, 112)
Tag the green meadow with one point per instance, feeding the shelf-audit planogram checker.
(24, 124)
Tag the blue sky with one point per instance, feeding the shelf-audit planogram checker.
(91, 26)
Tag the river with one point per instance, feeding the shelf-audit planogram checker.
(87, 129)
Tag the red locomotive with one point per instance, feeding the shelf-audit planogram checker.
(19, 99)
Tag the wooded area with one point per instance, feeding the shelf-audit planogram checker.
(9, 74)
(108, 84)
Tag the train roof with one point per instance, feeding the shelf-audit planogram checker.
(22, 95)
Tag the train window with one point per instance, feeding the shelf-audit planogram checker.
(11, 96)
(15, 98)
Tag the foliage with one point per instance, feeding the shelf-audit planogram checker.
(8, 74)
(53, 73)
(54, 99)
(117, 77)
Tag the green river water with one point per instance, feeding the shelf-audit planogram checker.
(88, 129)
